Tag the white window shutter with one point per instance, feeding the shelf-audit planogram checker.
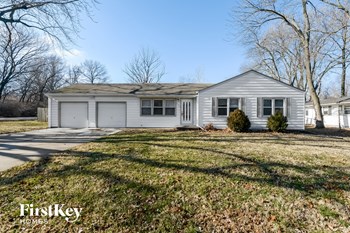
(243, 104)
(214, 109)
(259, 107)
(288, 107)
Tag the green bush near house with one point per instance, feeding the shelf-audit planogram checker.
(277, 122)
(238, 121)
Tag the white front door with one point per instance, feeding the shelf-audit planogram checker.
(186, 111)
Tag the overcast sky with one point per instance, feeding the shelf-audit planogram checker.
(188, 34)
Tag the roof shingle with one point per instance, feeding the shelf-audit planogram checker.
(134, 89)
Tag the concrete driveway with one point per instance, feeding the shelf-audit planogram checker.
(18, 148)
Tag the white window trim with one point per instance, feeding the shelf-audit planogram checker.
(273, 106)
(163, 107)
(329, 110)
(227, 105)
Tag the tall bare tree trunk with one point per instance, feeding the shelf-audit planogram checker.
(307, 61)
(343, 62)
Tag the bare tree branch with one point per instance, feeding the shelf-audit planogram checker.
(145, 67)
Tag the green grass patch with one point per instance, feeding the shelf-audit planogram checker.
(171, 181)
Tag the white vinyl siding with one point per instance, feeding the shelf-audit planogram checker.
(336, 116)
(250, 87)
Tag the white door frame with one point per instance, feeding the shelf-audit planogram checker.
(186, 109)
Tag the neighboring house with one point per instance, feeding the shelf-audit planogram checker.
(176, 104)
(336, 112)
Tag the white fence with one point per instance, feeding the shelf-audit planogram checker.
(42, 114)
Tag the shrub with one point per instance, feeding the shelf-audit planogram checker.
(17, 109)
(238, 121)
(277, 122)
(10, 109)
(209, 127)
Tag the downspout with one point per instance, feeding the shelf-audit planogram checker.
(197, 107)
(339, 111)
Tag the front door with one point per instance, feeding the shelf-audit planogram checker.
(186, 111)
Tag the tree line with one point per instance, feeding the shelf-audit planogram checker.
(28, 69)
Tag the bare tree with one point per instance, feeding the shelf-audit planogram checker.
(93, 72)
(295, 14)
(73, 75)
(343, 5)
(196, 77)
(47, 74)
(145, 67)
(17, 51)
(338, 28)
(59, 19)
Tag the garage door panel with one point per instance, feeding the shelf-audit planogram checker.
(111, 115)
(74, 115)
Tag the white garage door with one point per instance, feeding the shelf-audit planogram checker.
(111, 115)
(74, 115)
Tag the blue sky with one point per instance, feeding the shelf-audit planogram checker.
(188, 35)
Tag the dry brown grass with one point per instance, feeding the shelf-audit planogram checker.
(20, 126)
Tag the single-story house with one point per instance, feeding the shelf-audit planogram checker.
(336, 112)
(175, 104)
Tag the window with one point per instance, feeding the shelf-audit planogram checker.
(327, 110)
(170, 107)
(150, 107)
(146, 107)
(234, 104)
(307, 112)
(226, 105)
(272, 106)
(157, 107)
(222, 106)
(346, 109)
(267, 107)
(278, 105)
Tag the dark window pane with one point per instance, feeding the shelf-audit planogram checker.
(222, 111)
(267, 111)
(146, 111)
(233, 109)
(170, 103)
(146, 103)
(234, 102)
(222, 102)
(267, 103)
(158, 111)
(170, 111)
(278, 110)
(279, 103)
(158, 103)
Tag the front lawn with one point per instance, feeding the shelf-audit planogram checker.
(20, 126)
(170, 181)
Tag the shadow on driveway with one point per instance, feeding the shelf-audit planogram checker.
(15, 149)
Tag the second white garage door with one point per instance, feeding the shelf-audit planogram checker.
(111, 115)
